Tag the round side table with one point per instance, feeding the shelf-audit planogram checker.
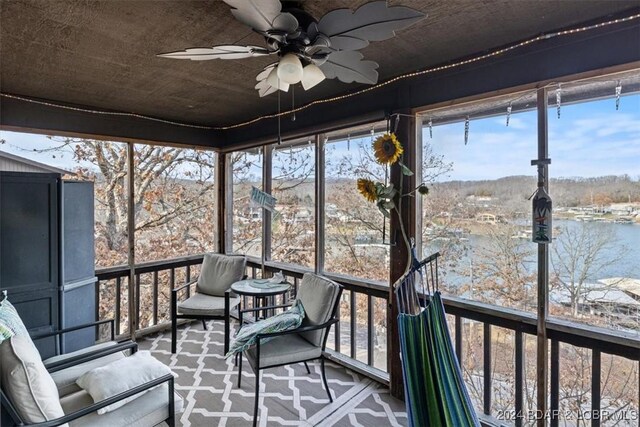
(262, 291)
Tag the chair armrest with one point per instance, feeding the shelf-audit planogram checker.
(106, 402)
(175, 290)
(246, 310)
(76, 328)
(297, 330)
(87, 357)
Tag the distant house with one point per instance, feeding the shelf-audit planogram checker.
(623, 209)
(486, 218)
(12, 163)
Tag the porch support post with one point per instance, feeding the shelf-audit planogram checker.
(131, 226)
(267, 187)
(542, 360)
(399, 255)
(221, 202)
(320, 192)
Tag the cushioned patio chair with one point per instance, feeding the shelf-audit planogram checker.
(45, 393)
(33, 395)
(213, 298)
(320, 298)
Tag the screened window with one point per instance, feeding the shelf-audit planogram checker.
(246, 215)
(293, 185)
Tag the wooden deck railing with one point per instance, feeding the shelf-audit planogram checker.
(599, 341)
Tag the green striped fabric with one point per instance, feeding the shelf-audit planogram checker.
(434, 388)
(10, 322)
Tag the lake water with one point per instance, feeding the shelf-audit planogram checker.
(624, 244)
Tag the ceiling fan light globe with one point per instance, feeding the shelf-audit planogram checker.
(311, 76)
(272, 78)
(274, 81)
(290, 69)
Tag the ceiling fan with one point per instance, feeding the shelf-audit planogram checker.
(309, 50)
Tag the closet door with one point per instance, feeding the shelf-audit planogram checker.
(78, 303)
(29, 252)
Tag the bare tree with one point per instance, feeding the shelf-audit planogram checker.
(580, 254)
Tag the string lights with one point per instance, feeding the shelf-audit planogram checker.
(345, 96)
(618, 93)
(509, 107)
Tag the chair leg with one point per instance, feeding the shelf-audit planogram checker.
(324, 379)
(257, 399)
(174, 333)
(227, 319)
(204, 325)
(307, 366)
(239, 361)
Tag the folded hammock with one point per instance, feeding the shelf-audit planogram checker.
(435, 392)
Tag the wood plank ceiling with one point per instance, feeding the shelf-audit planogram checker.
(101, 53)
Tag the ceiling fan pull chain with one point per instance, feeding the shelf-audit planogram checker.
(279, 136)
(293, 103)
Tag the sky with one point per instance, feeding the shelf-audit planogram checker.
(589, 139)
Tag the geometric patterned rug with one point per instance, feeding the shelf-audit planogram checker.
(288, 395)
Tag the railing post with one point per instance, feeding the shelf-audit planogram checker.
(459, 329)
(519, 380)
(353, 322)
(487, 369)
(155, 297)
(370, 330)
(118, 298)
(596, 372)
(555, 384)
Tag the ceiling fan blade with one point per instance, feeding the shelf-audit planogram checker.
(263, 15)
(265, 72)
(348, 66)
(265, 89)
(373, 21)
(217, 52)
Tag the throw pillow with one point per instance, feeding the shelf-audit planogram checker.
(26, 381)
(121, 375)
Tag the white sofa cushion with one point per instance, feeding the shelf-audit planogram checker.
(65, 379)
(120, 376)
(149, 410)
(26, 381)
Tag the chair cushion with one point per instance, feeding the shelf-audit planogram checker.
(10, 322)
(318, 296)
(282, 350)
(205, 305)
(65, 379)
(148, 410)
(26, 381)
(122, 375)
(61, 357)
(290, 319)
(219, 272)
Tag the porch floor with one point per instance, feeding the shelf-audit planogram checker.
(289, 396)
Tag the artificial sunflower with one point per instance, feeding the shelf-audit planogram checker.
(367, 188)
(387, 149)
